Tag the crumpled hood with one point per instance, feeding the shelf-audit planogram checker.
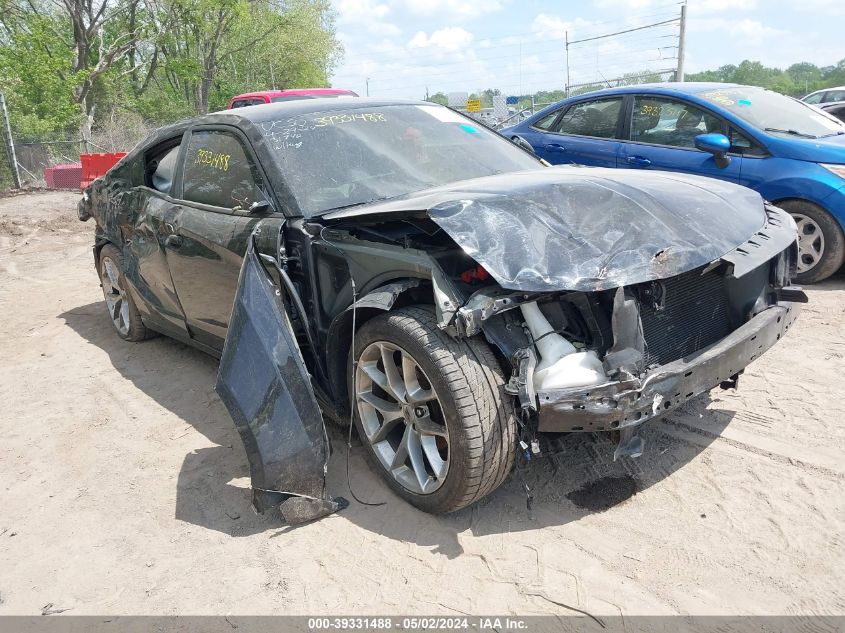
(586, 229)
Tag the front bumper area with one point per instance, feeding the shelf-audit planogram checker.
(627, 404)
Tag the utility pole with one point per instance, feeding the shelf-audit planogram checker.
(679, 74)
(10, 142)
(368, 86)
(567, 64)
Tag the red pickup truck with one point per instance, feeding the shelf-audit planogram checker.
(272, 96)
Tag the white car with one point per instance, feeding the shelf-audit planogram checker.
(824, 96)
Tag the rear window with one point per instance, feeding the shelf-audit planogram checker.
(598, 118)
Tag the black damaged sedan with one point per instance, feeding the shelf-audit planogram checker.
(399, 265)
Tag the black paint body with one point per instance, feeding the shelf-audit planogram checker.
(571, 238)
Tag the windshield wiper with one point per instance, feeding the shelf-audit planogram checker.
(353, 204)
(792, 132)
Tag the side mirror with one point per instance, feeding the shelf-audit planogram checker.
(717, 144)
(518, 140)
(261, 206)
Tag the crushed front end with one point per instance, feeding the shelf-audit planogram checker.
(659, 342)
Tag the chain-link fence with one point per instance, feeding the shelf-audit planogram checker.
(37, 156)
(53, 160)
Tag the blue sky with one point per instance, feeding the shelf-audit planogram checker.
(404, 46)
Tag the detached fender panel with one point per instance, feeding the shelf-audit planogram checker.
(266, 387)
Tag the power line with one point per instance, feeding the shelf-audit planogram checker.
(639, 28)
(483, 59)
(582, 62)
(536, 39)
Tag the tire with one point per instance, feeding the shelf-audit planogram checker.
(123, 313)
(464, 385)
(817, 229)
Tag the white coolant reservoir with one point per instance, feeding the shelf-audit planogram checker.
(560, 365)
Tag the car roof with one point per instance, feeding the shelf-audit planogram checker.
(274, 111)
(679, 87)
(826, 90)
(294, 92)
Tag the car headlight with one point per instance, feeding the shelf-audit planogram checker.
(839, 170)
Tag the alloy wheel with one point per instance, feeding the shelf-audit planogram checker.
(402, 417)
(115, 295)
(810, 242)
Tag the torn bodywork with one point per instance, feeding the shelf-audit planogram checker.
(267, 390)
(673, 302)
(666, 341)
(606, 296)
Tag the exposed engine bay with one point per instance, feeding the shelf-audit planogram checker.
(609, 359)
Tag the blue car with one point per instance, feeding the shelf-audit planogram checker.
(791, 153)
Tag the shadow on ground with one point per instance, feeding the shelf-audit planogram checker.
(576, 475)
(835, 282)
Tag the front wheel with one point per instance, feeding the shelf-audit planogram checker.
(821, 245)
(431, 411)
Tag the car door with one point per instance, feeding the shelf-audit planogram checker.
(586, 133)
(152, 212)
(221, 179)
(268, 391)
(661, 135)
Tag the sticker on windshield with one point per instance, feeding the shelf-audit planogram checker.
(443, 114)
(719, 97)
(337, 119)
(469, 128)
(744, 102)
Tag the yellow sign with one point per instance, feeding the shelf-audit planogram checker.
(473, 105)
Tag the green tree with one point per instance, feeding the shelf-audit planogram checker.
(439, 97)
(35, 62)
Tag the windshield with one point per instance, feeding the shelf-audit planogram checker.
(342, 158)
(774, 112)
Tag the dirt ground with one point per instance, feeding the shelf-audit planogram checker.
(125, 487)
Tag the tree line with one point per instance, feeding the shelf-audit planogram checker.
(67, 66)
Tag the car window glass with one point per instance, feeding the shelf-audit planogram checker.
(546, 122)
(739, 142)
(814, 99)
(358, 154)
(669, 122)
(834, 95)
(163, 169)
(592, 118)
(219, 172)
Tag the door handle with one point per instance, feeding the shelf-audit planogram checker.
(639, 161)
(173, 241)
(554, 147)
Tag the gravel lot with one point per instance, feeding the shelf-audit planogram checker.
(125, 485)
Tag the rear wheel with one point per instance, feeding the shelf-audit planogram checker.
(121, 308)
(821, 245)
(431, 411)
